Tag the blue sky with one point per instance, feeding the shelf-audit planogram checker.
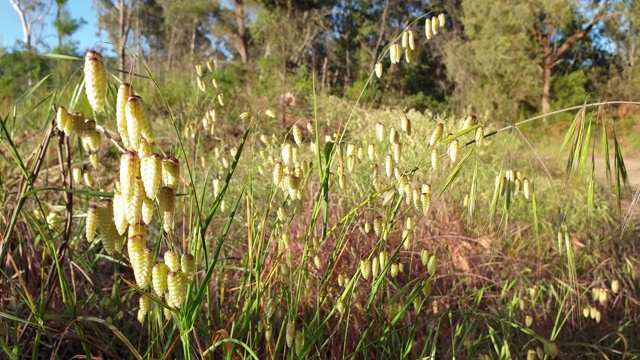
(87, 35)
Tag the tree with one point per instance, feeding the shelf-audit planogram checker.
(30, 12)
(115, 17)
(507, 52)
(65, 26)
(558, 26)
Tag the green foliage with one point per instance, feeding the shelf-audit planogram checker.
(19, 70)
(569, 90)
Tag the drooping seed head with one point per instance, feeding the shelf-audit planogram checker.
(135, 244)
(95, 77)
(63, 118)
(397, 152)
(479, 135)
(188, 266)
(469, 122)
(172, 261)
(453, 150)
(278, 173)
(436, 135)
(378, 70)
(297, 134)
(145, 304)
(91, 223)
(159, 278)
(134, 205)
(176, 288)
(147, 209)
(615, 286)
(110, 240)
(124, 92)
(435, 26)
(405, 39)
(166, 202)
(394, 137)
(151, 171)
(526, 188)
(129, 170)
(171, 172)
(428, 29)
(395, 51)
(388, 165)
(442, 20)
(290, 332)
(298, 342)
(434, 159)
(405, 125)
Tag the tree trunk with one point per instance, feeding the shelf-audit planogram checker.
(546, 89)
(242, 42)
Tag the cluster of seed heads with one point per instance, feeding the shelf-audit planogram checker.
(409, 44)
(513, 182)
(146, 180)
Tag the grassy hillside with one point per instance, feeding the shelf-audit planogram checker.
(322, 229)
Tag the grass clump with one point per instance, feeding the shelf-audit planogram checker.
(348, 233)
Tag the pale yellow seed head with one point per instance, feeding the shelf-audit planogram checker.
(63, 118)
(453, 150)
(428, 29)
(188, 266)
(405, 125)
(172, 261)
(436, 135)
(297, 134)
(124, 91)
(378, 70)
(95, 78)
(176, 288)
(91, 223)
(365, 269)
(151, 170)
(171, 172)
(134, 205)
(129, 170)
(166, 202)
(371, 152)
(435, 26)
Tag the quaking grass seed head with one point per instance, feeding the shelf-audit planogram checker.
(91, 223)
(166, 202)
(135, 244)
(171, 172)
(172, 261)
(151, 172)
(436, 135)
(63, 118)
(365, 268)
(188, 266)
(124, 91)
(95, 76)
(176, 288)
(378, 70)
(428, 29)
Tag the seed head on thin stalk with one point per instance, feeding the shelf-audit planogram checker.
(378, 70)
(176, 288)
(91, 223)
(151, 172)
(166, 203)
(124, 91)
(159, 278)
(134, 205)
(172, 261)
(95, 79)
(171, 173)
